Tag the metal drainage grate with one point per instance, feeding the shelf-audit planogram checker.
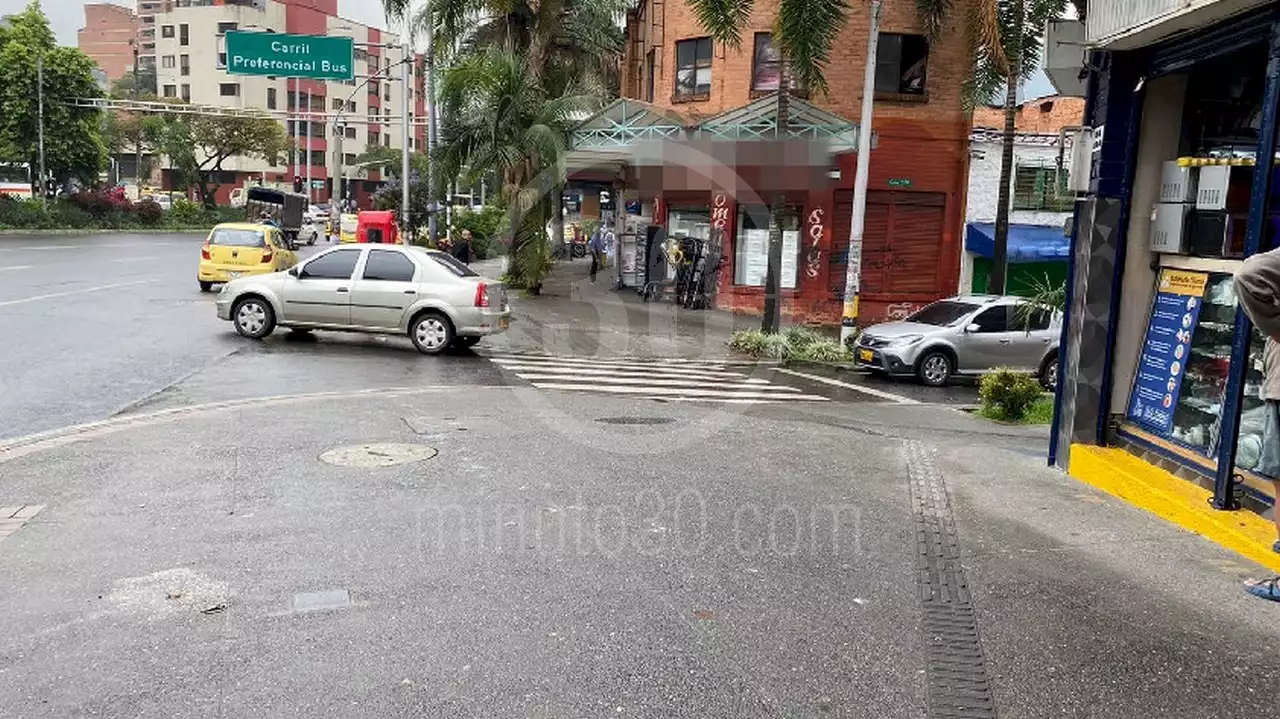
(954, 663)
(377, 454)
(636, 420)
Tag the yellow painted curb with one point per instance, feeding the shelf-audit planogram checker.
(1183, 503)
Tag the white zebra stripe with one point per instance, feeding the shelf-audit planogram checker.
(694, 383)
(688, 392)
(626, 371)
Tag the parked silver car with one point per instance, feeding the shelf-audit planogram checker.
(385, 289)
(966, 335)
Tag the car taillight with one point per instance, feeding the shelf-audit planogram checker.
(266, 256)
(482, 295)
(204, 252)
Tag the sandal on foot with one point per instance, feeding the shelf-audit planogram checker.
(1264, 588)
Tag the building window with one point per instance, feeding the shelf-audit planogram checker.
(184, 35)
(148, 19)
(902, 64)
(386, 140)
(1033, 190)
(225, 27)
(766, 64)
(337, 103)
(168, 62)
(186, 93)
(185, 63)
(351, 106)
(349, 158)
(693, 68)
(166, 31)
(271, 98)
(229, 89)
(751, 249)
(386, 92)
(349, 132)
(170, 90)
(650, 66)
(317, 158)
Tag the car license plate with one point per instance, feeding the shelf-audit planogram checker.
(503, 322)
(866, 355)
(234, 275)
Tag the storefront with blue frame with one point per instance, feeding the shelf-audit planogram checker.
(1157, 357)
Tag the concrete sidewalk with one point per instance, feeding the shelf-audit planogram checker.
(572, 316)
(228, 560)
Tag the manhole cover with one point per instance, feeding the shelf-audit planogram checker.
(378, 454)
(636, 420)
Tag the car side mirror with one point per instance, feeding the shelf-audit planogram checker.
(294, 271)
(973, 327)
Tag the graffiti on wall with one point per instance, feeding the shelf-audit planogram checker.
(900, 310)
(720, 212)
(813, 255)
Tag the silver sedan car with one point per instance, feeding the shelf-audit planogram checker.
(385, 289)
(967, 335)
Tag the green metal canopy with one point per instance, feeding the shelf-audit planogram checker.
(759, 120)
(624, 122)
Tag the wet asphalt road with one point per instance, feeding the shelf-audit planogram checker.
(95, 325)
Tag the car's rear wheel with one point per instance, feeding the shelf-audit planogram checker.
(935, 368)
(253, 318)
(431, 332)
(1049, 374)
(206, 286)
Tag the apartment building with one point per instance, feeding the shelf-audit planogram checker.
(919, 163)
(107, 37)
(190, 57)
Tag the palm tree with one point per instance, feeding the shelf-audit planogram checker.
(497, 116)
(1013, 32)
(803, 34)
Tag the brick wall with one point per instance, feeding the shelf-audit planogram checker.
(1045, 116)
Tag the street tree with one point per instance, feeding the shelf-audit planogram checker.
(217, 138)
(386, 158)
(497, 116)
(72, 135)
(1015, 38)
(123, 89)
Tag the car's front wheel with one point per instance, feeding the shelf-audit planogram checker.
(431, 332)
(253, 318)
(935, 368)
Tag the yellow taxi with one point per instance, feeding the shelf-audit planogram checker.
(239, 249)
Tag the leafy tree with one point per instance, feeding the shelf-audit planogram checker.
(72, 138)
(1015, 32)
(217, 138)
(387, 158)
(122, 89)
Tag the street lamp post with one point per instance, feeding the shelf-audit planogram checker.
(44, 191)
(407, 65)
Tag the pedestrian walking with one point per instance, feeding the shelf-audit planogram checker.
(596, 247)
(1257, 286)
(462, 250)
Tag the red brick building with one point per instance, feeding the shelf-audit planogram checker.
(919, 165)
(106, 38)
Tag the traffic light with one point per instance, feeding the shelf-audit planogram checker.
(297, 183)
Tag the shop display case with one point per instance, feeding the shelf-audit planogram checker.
(1249, 439)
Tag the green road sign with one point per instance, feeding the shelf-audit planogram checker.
(899, 182)
(282, 55)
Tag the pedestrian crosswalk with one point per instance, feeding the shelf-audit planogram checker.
(672, 380)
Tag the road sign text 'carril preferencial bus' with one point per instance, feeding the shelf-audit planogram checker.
(284, 55)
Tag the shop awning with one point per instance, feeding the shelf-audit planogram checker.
(758, 120)
(1027, 243)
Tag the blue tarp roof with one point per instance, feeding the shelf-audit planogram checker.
(1027, 243)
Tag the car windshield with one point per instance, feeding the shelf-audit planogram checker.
(228, 237)
(942, 314)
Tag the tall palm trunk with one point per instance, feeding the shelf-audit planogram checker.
(772, 320)
(999, 254)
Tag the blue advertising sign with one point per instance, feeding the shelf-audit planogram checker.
(1166, 347)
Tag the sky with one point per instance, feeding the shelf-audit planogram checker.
(67, 16)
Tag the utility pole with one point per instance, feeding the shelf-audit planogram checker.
(431, 123)
(44, 191)
(853, 268)
(406, 82)
(310, 192)
(137, 137)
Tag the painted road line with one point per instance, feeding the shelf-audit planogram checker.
(646, 361)
(16, 267)
(694, 382)
(666, 392)
(53, 295)
(623, 371)
(135, 259)
(897, 398)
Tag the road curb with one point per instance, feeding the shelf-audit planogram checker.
(18, 234)
(16, 447)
